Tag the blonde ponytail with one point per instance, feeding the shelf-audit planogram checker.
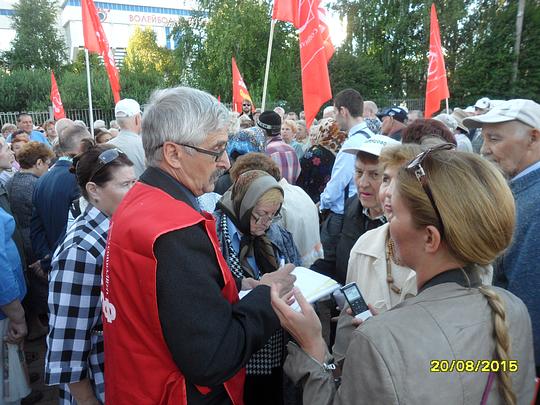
(502, 343)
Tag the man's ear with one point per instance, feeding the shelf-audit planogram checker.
(534, 137)
(172, 155)
(432, 239)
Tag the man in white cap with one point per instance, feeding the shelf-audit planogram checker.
(129, 141)
(511, 132)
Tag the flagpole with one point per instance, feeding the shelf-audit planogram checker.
(267, 70)
(91, 113)
(447, 109)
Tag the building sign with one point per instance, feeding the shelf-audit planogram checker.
(152, 19)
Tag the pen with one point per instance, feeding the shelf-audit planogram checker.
(281, 262)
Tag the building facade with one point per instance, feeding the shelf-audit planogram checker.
(118, 17)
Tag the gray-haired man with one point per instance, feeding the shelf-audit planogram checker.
(176, 332)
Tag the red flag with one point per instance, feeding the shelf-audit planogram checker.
(437, 87)
(240, 91)
(56, 101)
(313, 58)
(96, 41)
(286, 10)
(316, 49)
(325, 33)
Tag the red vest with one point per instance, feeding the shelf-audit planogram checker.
(139, 366)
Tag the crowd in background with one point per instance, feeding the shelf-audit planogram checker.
(425, 215)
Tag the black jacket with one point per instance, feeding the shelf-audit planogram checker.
(209, 339)
(355, 224)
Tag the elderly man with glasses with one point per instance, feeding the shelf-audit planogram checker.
(176, 332)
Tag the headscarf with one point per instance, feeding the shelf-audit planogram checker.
(238, 204)
(330, 136)
(246, 141)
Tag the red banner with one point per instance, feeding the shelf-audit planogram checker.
(96, 41)
(437, 87)
(239, 90)
(316, 49)
(56, 101)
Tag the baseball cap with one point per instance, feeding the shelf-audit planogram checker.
(373, 145)
(525, 111)
(483, 103)
(126, 107)
(395, 112)
(270, 121)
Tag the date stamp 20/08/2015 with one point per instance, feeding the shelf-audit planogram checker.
(473, 366)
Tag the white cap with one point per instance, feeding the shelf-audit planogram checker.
(126, 107)
(525, 111)
(99, 124)
(483, 103)
(373, 145)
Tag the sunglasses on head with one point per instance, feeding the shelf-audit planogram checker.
(104, 158)
(415, 167)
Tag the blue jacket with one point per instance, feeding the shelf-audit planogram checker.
(52, 197)
(518, 270)
(12, 285)
(35, 136)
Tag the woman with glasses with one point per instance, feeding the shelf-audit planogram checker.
(254, 244)
(75, 340)
(451, 212)
(34, 159)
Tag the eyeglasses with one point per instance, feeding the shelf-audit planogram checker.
(266, 218)
(104, 158)
(246, 105)
(415, 166)
(217, 155)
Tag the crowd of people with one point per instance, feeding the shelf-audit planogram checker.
(157, 256)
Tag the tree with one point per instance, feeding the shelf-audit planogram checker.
(37, 42)
(239, 28)
(144, 55)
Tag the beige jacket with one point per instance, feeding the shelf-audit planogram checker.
(389, 358)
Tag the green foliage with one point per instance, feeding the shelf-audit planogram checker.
(37, 43)
(240, 29)
(144, 55)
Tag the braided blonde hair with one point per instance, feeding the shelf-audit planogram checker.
(502, 342)
(478, 222)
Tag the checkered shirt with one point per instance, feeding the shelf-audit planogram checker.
(75, 339)
(285, 157)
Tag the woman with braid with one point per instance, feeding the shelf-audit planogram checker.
(457, 341)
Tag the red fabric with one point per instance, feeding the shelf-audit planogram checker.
(240, 91)
(95, 40)
(325, 33)
(316, 49)
(56, 101)
(140, 369)
(313, 58)
(437, 87)
(286, 10)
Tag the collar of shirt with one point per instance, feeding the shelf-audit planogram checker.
(94, 214)
(276, 138)
(123, 132)
(67, 158)
(381, 217)
(156, 177)
(357, 128)
(528, 170)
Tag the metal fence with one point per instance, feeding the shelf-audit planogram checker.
(39, 117)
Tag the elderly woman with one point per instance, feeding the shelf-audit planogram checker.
(19, 138)
(254, 245)
(34, 160)
(318, 161)
(75, 340)
(429, 348)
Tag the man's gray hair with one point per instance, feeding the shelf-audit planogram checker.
(69, 140)
(180, 115)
